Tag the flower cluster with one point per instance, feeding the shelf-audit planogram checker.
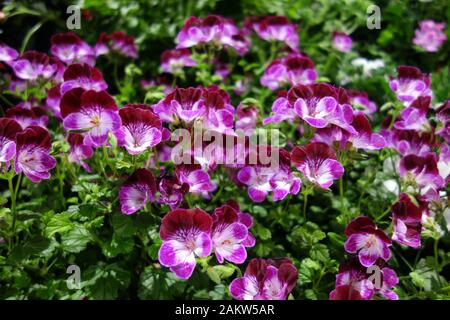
(430, 35)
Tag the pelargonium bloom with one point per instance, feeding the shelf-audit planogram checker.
(364, 138)
(342, 42)
(53, 100)
(430, 35)
(247, 116)
(173, 61)
(7, 54)
(219, 115)
(83, 76)
(265, 280)
(247, 220)
(69, 48)
(79, 151)
(443, 115)
(414, 117)
(212, 29)
(228, 235)
(124, 44)
(94, 112)
(141, 129)
(410, 84)
(422, 169)
(364, 238)
(32, 65)
(408, 141)
(8, 131)
(361, 100)
(407, 220)
(277, 28)
(184, 104)
(137, 191)
(32, 153)
(194, 176)
(34, 116)
(185, 234)
(318, 163)
(293, 69)
(352, 282)
(172, 191)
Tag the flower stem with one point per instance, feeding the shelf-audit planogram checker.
(13, 191)
(305, 203)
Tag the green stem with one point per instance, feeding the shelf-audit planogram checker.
(305, 203)
(13, 191)
(383, 214)
(29, 35)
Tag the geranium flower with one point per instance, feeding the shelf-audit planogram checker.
(94, 112)
(173, 61)
(364, 138)
(361, 100)
(443, 115)
(364, 238)
(32, 65)
(69, 48)
(342, 42)
(8, 131)
(32, 153)
(123, 44)
(83, 76)
(430, 35)
(247, 116)
(137, 191)
(410, 84)
(194, 176)
(172, 191)
(79, 151)
(422, 169)
(185, 234)
(352, 282)
(407, 220)
(228, 235)
(247, 220)
(293, 69)
(219, 114)
(7, 54)
(34, 116)
(141, 129)
(184, 104)
(317, 161)
(283, 108)
(414, 117)
(408, 141)
(265, 280)
(102, 45)
(53, 100)
(277, 28)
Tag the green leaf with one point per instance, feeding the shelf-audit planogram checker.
(104, 282)
(158, 284)
(76, 240)
(59, 223)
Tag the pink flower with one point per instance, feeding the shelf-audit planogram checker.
(137, 191)
(423, 170)
(185, 234)
(83, 76)
(364, 238)
(352, 283)
(430, 35)
(8, 131)
(360, 100)
(410, 84)
(34, 116)
(7, 54)
(407, 220)
(317, 161)
(293, 69)
(364, 138)
(32, 153)
(141, 129)
(69, 48)
(173, 61)
(32, 65)
(172, 191)
(265, 280)
(408, 141)
(443, 115)
(94, 112)
(228, 235)
(194, 176)
(53, 100)
(414, 117)
(277, 28)
(247, 116)
(123, 44)
(342, 42)
(79, 151)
